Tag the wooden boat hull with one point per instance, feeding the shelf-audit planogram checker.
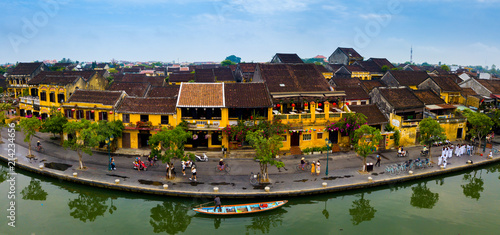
(241, 209)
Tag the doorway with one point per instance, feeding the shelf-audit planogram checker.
(143, 139)
(334, 136)
(295, 139)
(460, 133)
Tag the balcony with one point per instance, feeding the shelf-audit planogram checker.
(411, 123)
(204, 124)
(31, 100)
(307, 117)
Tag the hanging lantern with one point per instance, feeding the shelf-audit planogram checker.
(305, 104)
(334, 104)
(73, 110)
(110, 112)
(293, 105)
(319, 104)
(278, 105)
(92, 111)
(251, 117)
(58, 109)
(347, 103)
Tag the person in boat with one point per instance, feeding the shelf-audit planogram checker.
(221, 164)
(217, 204)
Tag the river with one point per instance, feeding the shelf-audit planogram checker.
(463, 203)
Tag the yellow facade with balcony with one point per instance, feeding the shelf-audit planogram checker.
(361, 75)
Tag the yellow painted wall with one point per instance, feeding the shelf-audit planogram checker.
(96, 82)
(362, 75)
(451, 129)
(413, 87)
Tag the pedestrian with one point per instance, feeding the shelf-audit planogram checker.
(113, 166)
(193, 170)
(378, 161)
(445, 163)
(313, 168)
(490, 155)
(318, 168)
(183, 169)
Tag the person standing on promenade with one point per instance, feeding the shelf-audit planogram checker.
(193, 170)
(378, 161)
(318, 168)
(113, 166)
(313, 168)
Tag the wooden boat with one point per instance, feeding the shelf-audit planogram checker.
(241, 208)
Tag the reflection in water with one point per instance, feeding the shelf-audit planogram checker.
(474, 187)
(263, 223)
(422, 196)
(88, 206)
(34, 191)
(170, 217)
(493, 169)
(361, 210)
(3, 174)
(217, 222)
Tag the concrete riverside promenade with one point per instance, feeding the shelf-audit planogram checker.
(343, 171)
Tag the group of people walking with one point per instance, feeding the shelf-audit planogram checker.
(458, 150)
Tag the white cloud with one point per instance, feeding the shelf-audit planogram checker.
(371, 16)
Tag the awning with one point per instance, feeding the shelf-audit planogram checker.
(495, 96)
(440, 106)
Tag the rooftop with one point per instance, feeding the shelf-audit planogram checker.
(96, 97)
(237, 95)
(137, 89)
(292, 77)
(201, 95)
(147, 105)
(401, 98)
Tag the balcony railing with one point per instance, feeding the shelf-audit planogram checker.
(307, 117)
(203, 124)
(33, 100)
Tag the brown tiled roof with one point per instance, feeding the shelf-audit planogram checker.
(381, 62)
(94, 96)
(137, 89)
(371, 111)
(428, 97)
(409, 78)
(60, 78)
(354, 93)
(247, 95)
(350, 52)
(233, 67)
(247, 67)
(467, 91)
(321, 68)
(370, 84)
(181, 77)
(355, 68)
(204, 75)
(370, 66)
(447, 82)
(491, 85)
(26, 68)
(223, 74)
(289, 58)
(131, 70)
(401, 98)
(153, 80)
(293, 77)
(147, 105)
(164, 91)
(346, 82)
(335, 67)
(201, 95)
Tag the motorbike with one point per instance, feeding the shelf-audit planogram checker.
(203, 158)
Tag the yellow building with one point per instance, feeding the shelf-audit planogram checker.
(23, 72)
(93, 105)
(143, 117)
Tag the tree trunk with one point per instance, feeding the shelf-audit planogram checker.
(364, 164)
(430, 153)
(1, 141)
(479, 147)
(80, 159)
(29, 149)
(61, 135)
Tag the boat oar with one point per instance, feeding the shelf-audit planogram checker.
(199, 205)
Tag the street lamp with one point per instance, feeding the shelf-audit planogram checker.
(108, 143)
(328, 143)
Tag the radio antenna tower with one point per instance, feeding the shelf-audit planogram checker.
(411, 55)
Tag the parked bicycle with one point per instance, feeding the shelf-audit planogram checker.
(255, 178)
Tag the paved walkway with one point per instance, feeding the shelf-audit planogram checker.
(343, 171)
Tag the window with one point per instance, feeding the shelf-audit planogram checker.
(89, 115)
(126, 118)
(363, 102)
(68, 113)
(103, 116)
(164, 119)
(43, 96)
(52, 97)
(319, 135)
(79, 114)
(60, 98)
(144, 118)
(306, 137)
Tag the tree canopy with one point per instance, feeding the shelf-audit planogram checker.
(29, 127)
(84, 137)
(55, 123)
(430, 132)
(3, 117)
(479, 124)
(266, 149)
(227, 63)
(234, 59)
(168, 144)
(366, 140)
(348, 124)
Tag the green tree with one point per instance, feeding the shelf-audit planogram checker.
(25, 92)
(55, 123)
(266, 149)
(425, 64)
(169, 144)
(107, 129)
(366, 140)
(170, 217)
(445, 68)
(3, 117)
(348, 124)
(84, 138)
(227, 63)
(384, 68)
(474, 185)
(29, 127)
(234, 59)
(88, 206)
(430, 132)
(480, 124)
(422, 197)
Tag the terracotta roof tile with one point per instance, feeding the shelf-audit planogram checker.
(345, 82)
(350, 52)
(223, 74)
(491, 85)
(354, 93)
(201, 95)
(401, 98)
(293, 77)
(137, 89)
(57, 78)
(153, 80)
(164, 91)
(94, 96)
(247, 67)
(181, 77)
(247, 95)
(291, 58)
(370, 84)
(204, 75)
(409, 78)
(371, 111)
(447, 82)
(467, 91)
(428, 97)
(148, 105)
(26, 68)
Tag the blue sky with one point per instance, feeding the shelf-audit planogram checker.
(453, 32)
